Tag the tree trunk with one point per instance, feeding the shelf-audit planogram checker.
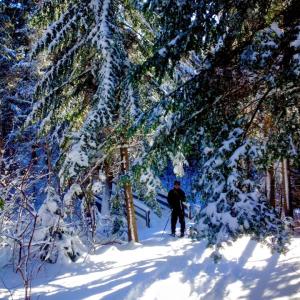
(107, 190)
(270, 186)
(295, 187)
(286, 187)
(131, 221)
(48, 161)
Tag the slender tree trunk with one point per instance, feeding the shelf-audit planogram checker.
(295, 187)
(270, 186)
(131, 221)
(270, 180)
(34, 160)
(48, 161)
(107, 188)
(286, 187)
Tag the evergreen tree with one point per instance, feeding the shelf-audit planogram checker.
(16, 75)
(86, 98)
(83, 91)
(231, 185)
(244, 66)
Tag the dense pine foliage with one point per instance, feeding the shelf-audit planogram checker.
(235, 66)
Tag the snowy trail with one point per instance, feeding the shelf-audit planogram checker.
(169, 268)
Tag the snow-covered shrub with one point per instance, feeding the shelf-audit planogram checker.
(235, 204)
(6, 243)
(55, 236)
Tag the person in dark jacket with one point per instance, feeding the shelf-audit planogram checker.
(176, 197)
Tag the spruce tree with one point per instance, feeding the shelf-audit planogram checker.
(15, 72)
(86, 97)
(244, 70)
(230, 183)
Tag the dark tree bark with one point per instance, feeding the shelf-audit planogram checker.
(131, 221)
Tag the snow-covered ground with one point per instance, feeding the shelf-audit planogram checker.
(167, 268)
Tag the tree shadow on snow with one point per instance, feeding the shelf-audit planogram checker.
(132, 280)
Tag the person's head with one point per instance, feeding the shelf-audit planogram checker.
(177, 184)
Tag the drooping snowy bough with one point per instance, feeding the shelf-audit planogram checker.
(232, 187)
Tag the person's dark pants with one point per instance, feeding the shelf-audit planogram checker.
(175, 215)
